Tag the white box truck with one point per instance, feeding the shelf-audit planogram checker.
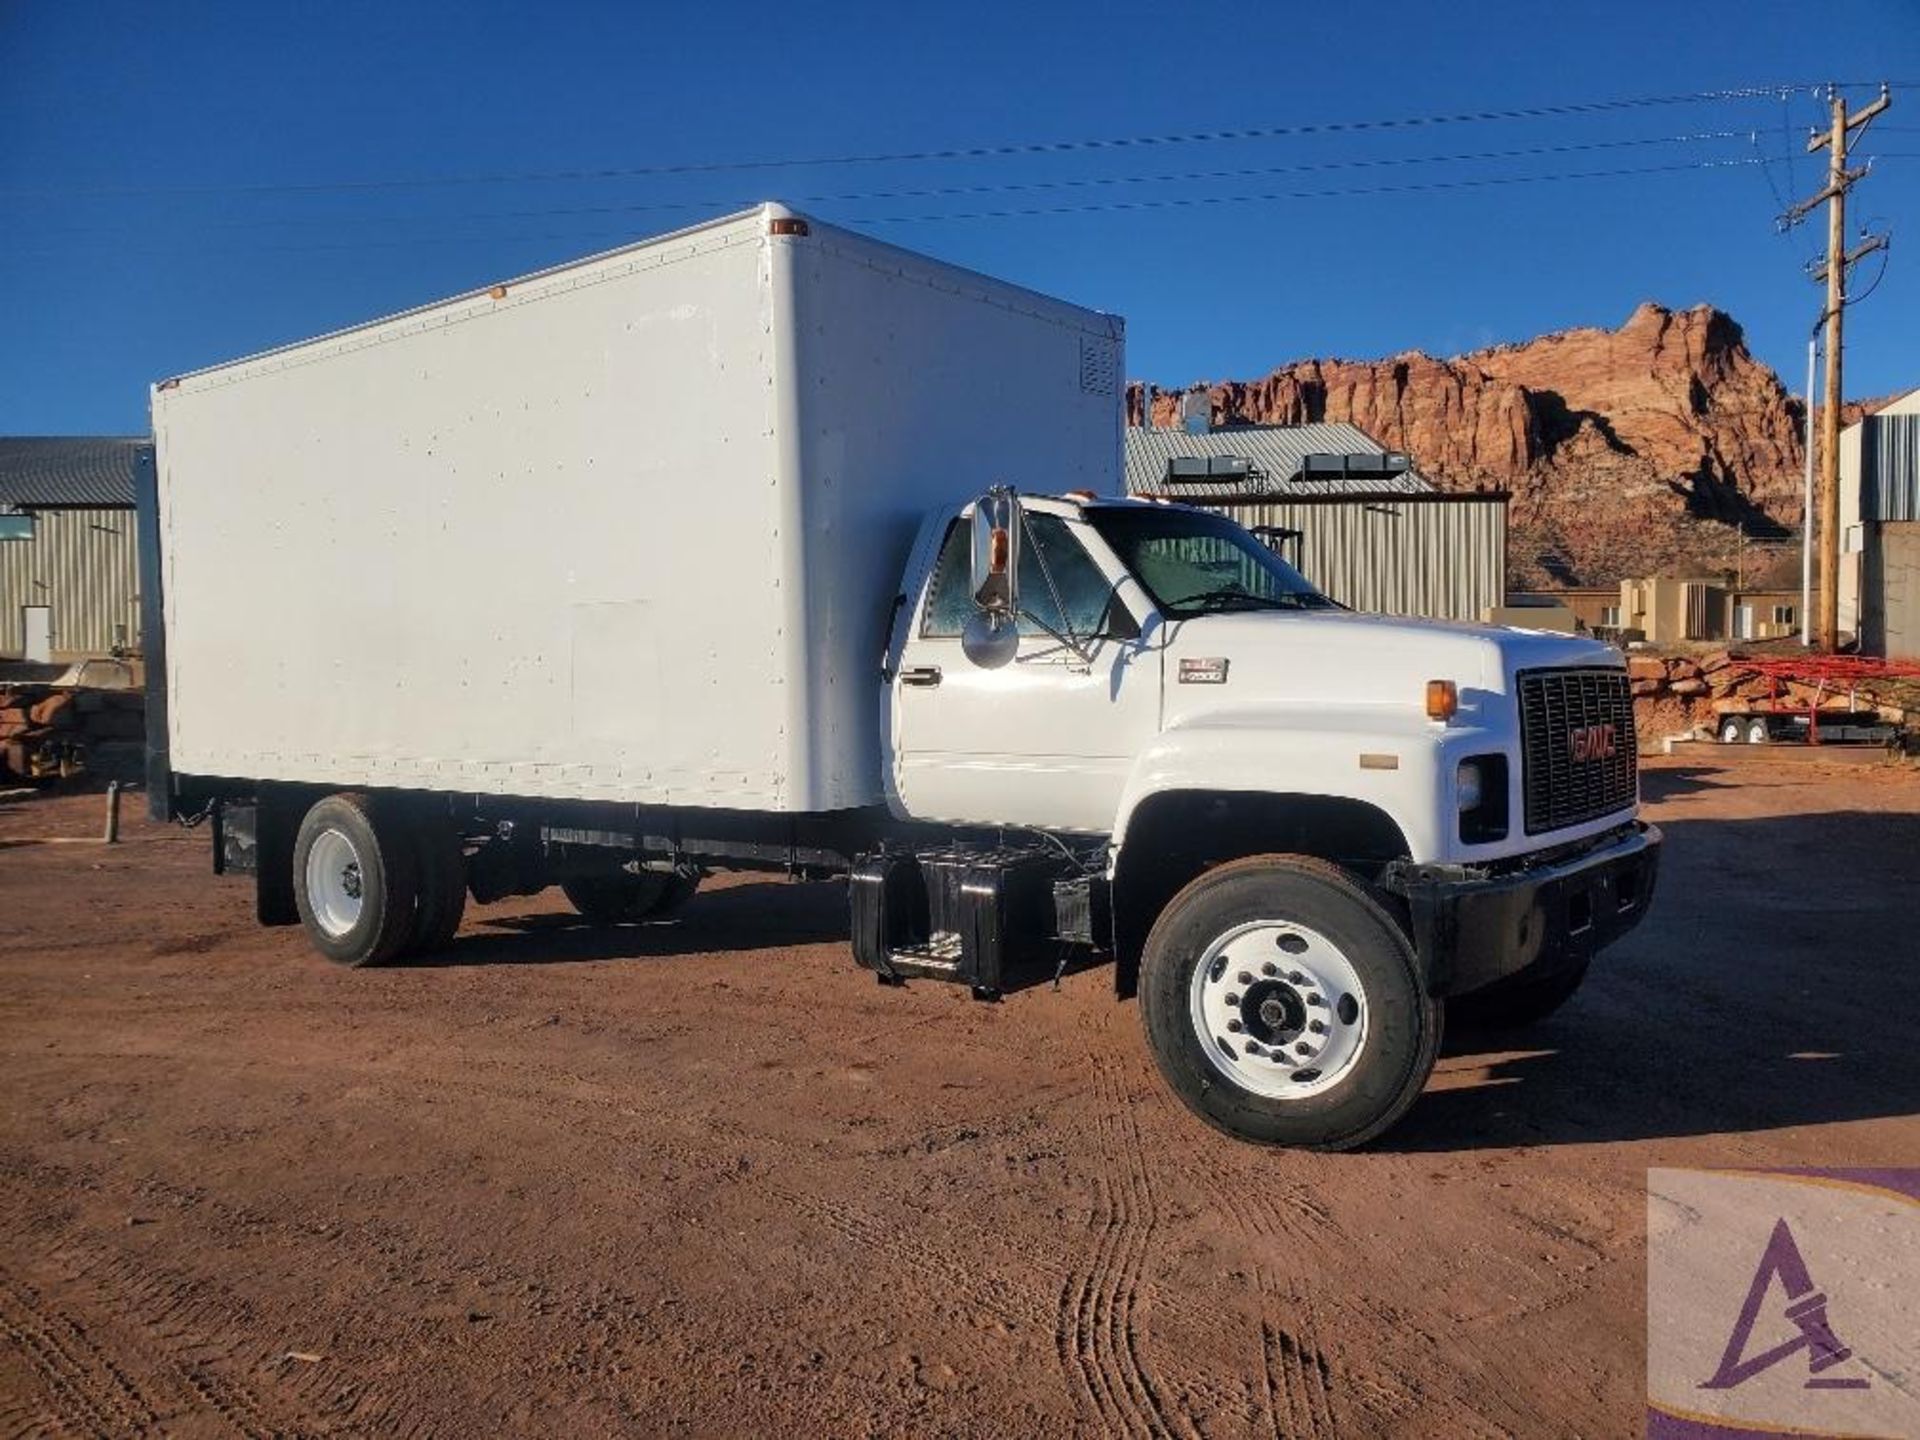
(764, 545)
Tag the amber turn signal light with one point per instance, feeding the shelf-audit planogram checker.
(1443, 700)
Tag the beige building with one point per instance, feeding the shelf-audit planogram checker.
(1667, 611)
(1879, 578)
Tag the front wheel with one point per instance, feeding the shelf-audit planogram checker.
(1284, 1006)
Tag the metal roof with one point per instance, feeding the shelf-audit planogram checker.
(46, 472)
(1279, 451)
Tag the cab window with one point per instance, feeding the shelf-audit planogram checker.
(1084, 592)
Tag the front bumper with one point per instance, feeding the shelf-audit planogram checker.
(1473, 926)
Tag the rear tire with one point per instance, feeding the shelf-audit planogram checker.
(443, 885)
(1332, 1034)
(1757, 732)
(1731, 731)
(624, 899)
(1517, 1002)
(356, 879)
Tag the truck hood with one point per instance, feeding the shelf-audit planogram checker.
(1340, 658)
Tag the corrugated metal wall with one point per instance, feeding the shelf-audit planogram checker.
(1890, 467)
(1444, 557)
(81, 564)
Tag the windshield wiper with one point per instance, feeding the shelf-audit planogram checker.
(1206, 601)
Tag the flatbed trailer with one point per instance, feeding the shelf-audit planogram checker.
(1782, 717)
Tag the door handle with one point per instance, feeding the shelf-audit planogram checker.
(923, 675)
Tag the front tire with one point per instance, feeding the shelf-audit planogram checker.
(1284, 1006)
(356, 880)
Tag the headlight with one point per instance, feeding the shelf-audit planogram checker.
(1480, 785)
(1466, 784)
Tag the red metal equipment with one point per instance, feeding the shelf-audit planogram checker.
(1825, 675)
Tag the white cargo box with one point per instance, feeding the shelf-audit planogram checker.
(628, 529)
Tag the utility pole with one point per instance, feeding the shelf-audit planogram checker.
(1834, 269)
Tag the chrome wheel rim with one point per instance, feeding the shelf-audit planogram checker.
(335, 883)
(1279, 1009)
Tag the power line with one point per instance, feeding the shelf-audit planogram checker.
(1356, 192)
(961, 191)
(1164, 203)
(973, 152)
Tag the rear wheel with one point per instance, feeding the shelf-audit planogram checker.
(1283, 1005)
(356, 879)
(1757, 733)
(1732, 732)
(442, 867)
(622, 898)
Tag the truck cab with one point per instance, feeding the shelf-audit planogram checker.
(1309, 827)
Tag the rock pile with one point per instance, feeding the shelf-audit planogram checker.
(46, 732)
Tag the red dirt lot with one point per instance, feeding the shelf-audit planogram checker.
(705, 1177)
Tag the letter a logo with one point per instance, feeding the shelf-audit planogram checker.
(1806, 1308)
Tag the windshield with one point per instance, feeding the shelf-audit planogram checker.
(1193, 563)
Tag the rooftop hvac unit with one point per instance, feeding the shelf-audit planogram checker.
(1214, 472)
(1366, 465)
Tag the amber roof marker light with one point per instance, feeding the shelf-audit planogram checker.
(787, 225)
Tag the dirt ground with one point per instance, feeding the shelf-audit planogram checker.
(705, 1177)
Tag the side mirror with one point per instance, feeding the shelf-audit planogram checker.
(991, 637)
(996, 552)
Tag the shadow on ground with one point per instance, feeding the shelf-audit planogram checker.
(752, 916)
(1773, 984)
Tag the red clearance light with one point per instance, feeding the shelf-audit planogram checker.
(786, 225)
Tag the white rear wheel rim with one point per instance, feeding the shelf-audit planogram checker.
(1278, 1009)
(335, 882)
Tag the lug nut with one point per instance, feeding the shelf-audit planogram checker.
(1233, 999)
(1244, 978)
(1234, 1027)
(1303, 1048)
(1296, 977)
(1315, 1000)
(1269, 969)
(1317, 1028)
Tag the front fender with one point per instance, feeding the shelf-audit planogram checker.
(1388, 757)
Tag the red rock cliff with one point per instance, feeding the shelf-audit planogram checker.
(1627, 451)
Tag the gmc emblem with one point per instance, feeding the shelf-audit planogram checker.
(1593, 742)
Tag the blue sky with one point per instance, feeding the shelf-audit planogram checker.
(183, 184)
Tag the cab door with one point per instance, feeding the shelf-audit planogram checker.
(1048, 739)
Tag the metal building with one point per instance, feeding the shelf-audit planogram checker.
(1879, 579)
(68, 586)
(1354, 517)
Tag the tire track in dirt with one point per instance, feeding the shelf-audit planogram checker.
(1098, 1330)
(86, 1390)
